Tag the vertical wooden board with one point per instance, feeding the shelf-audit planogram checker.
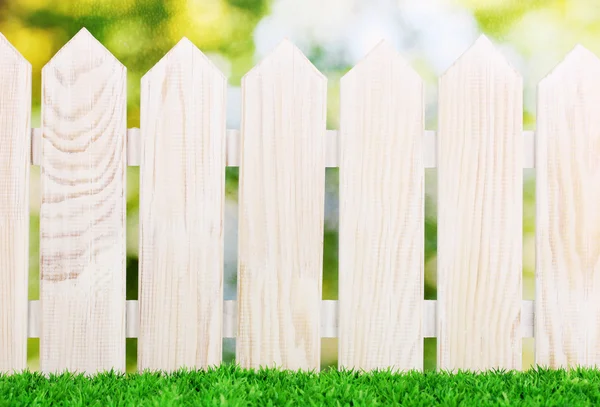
(480, 181)
(182, 178)
(281, 204)
(381, 215)
(567, 305)
(82, 219)
(15, 130)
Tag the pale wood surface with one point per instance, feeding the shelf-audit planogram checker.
(232, 154)
(134, 147)
(567, 214)
(480, 181)
(182, 178)
(15, 129)
(82, 225)
(329, 319)
(381, 215)
(281, 201)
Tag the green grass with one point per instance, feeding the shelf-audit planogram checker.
(231, 386)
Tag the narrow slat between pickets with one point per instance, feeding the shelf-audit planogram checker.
(568, 215)
(15, 112)
(182, 181)
(82, 217)
(381, 215)
(281, 204)
(480, 185)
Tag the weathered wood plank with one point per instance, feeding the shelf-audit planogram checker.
(15, 129)
(480, 178)
(281, 200)
(82, 224)
(567, 305)
(182, 179)
(381, 215)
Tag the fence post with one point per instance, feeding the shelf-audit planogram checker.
(182, 182)
(281, 201)
(82, 218)
(480, 231)
(567, 305)
(15, 134)
(381, 214)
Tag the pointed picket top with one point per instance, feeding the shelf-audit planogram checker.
(481, 53)
(184, 52)
(285, 51)
(83, 43)
(7, 50)
(382, 47)
(578, 63)
(380, 56)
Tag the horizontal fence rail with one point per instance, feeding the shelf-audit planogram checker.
(332, 156)
(329, 319)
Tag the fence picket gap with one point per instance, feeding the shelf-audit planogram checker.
(381, 215)
(281, 201)
(82, 217)
(15, 130)
(480, 184)
(182, 179)
(567, 302)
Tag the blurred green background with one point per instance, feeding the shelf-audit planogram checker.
(335, 34)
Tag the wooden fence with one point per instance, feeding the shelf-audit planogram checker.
(282, 148)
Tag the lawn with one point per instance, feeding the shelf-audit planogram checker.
(231, 386)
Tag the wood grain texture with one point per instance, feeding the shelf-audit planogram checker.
(329, 319)
(15, 130)
(82, 218)
(381, 215)
(567, 325)
(182, 178)
(281, 204)
(480, 184)
(232, 154)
